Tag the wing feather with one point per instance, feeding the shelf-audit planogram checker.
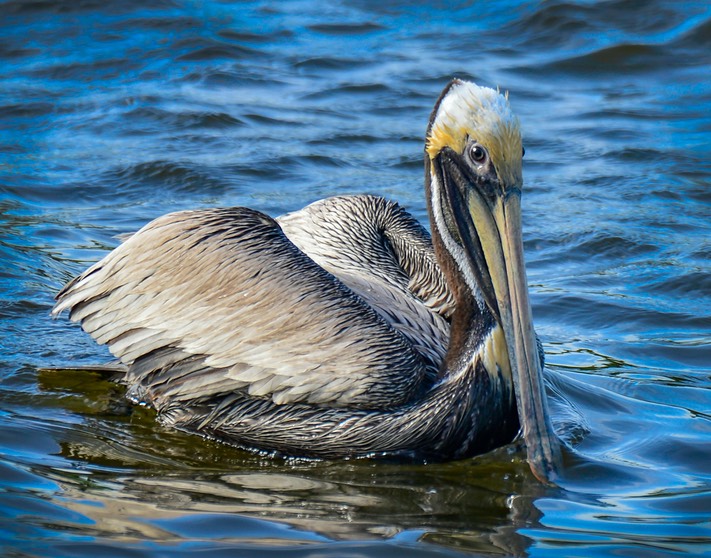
(205, 302)
(385, 256)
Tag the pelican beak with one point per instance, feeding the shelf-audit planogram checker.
(487, 216)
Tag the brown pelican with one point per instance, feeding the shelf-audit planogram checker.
(342, 329)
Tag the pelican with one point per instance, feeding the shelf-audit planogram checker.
(342, 329)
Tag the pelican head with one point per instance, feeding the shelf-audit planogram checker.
(473, 176)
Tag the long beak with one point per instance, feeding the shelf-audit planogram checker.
(493, 236)
(504, 255)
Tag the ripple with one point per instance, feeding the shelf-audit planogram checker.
(605, 312)
(552, 24)
(174, 24)
(613, 60)
(200, 49)
(10, 51)
(330, 63)
(73, 6)
(565, 24)
(348, 90)
(263, 119)
(26, 110)
(184, 118)
(694, 283)
(97, 70)
(699, 36)
(592, 247)
(613, 247)
(348, 138)
(323, 161)
(174, 175)
(276, 482)
(264, 37)
(344, 29)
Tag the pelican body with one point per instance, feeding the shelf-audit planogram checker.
(342, 329)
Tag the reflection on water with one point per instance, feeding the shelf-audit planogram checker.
(122, 478)
(112, 113)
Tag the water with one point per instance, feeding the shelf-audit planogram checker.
(112, 113)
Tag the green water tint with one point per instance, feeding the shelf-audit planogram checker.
(123, 473)
(171, 486)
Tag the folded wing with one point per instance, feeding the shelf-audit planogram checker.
(202, 303)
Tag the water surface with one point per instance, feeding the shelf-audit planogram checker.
(112, 113)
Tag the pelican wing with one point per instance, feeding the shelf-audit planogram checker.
(384, 255)
(202, 303)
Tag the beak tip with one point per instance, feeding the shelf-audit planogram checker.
(546, 467)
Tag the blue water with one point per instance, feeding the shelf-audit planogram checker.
(112, 113)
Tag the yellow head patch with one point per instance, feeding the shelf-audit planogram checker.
(468, 111)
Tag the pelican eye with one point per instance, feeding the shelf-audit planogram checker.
(477, 154)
